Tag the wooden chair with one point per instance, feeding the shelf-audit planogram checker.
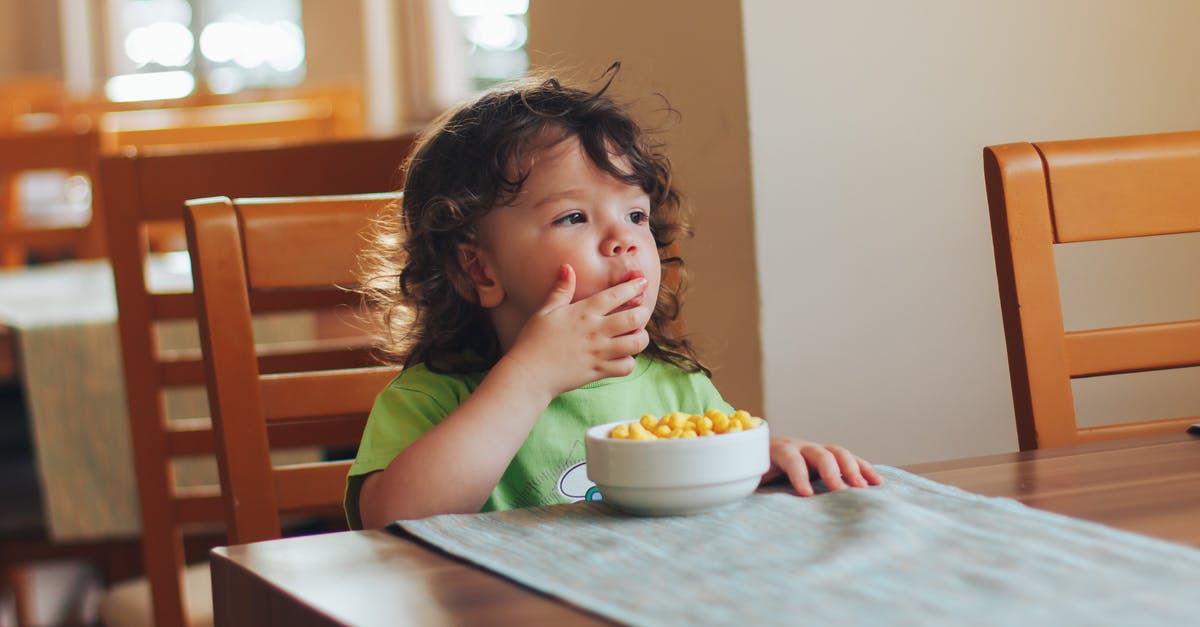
(276, 254)
(25, 95)
(215, 125)
(75, 147)
(141, 190)
(345, 100)
(75, 150)
(1050, 193)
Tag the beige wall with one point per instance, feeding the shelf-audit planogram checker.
(333, 37)
(690, 52)
(882, 326)
(29, 42)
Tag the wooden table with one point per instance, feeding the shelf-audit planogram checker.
(1145, 485)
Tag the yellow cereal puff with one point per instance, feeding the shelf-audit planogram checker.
(680, 424)
(641, 434)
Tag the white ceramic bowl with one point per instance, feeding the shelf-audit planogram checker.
(676, 476)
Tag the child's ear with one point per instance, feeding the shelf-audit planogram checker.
(483, 289)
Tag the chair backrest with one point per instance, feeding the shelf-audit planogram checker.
(280, 254)
(1048, 193)
(214, 125)
(345, 99)
(143, 190)
(23, 95)
(75, 150)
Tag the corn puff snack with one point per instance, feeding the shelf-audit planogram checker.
(683, 425)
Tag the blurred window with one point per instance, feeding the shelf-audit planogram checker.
(167, 48)
(494, 33)
(475, 44)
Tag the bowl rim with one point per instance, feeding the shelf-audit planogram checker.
(595, 434)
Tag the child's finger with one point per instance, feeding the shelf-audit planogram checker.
(605, 301)
(563, 290)
(822, 460)
(627, 345)
(849, 465)
(795, 467)
(624, 322)
(869, 472)
(618, 367)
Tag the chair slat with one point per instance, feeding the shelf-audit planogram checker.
(291, 300)
(181, 371)
(1135, 429)
(174, 306)
(62, 236)
(190, 436)
(304, 486)
(197, 504)
(265, 232)
(336, 432)
(1133, 348)
(320, 356)
(346, 167)
(194, 436)
(1123, 186)
(329, 393)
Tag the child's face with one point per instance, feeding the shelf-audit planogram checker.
(568, 212)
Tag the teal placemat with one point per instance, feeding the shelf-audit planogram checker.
(910, 552)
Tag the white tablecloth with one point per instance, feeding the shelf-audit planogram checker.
(69, 361)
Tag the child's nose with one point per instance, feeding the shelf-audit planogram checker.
(620, 242)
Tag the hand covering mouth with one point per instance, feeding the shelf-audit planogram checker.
(637, 300)
(631, 275)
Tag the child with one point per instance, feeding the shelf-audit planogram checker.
(523, 275)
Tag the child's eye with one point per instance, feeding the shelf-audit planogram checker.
(575, 217)
(639, 217)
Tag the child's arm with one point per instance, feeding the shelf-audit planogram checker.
(456, 465)
(801, 461)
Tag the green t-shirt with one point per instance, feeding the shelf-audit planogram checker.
(549, 467)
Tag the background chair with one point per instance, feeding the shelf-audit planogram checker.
(144, 190)
(1050, 193)
(26, 95)
(273, 254)
(74, 150)
(214, 125)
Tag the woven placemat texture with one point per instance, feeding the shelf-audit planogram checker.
(910, 552)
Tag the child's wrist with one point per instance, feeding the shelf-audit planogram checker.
(515, 375)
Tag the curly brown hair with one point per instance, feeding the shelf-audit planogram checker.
(469, 161)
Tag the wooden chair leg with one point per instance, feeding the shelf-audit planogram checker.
(12, 254)
(16, 581)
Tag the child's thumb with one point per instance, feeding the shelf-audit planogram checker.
(563, 290)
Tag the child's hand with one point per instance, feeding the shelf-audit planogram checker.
(565, 345)
(803, 461)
